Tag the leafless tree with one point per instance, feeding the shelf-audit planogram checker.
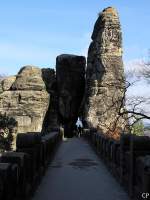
(136, 105)
(130, 108)
(145, 71)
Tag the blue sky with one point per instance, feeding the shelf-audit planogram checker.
(35, 32)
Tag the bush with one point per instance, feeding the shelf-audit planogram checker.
(138, 128)
(8, 127)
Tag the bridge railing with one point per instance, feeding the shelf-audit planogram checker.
(21, 170)
(128, 160)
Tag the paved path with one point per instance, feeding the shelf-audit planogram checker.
(76, 173)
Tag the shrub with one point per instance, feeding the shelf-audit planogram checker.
(8, 128)
(138, 128)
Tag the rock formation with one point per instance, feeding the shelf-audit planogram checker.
(51, 121)
(70, 73)
(39, 99)
(7, 82)
(1, 88)
(25, 97)
(105, 75)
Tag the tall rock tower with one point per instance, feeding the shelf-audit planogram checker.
(105, 84)
(70, 75)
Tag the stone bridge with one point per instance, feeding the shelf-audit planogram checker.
(91, 167)
(48, 160)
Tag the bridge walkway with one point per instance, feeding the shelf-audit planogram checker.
(76, 173)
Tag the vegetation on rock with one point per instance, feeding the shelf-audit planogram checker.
(8, 128)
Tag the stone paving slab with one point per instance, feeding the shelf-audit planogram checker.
(77, 173)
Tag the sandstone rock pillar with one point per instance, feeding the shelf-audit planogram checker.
(70, 73)
(105, 75)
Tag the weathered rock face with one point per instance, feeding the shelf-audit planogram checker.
(26, 99)
(29, 78)
(7, 82)
(70, 71)
(1, 87)
(105, 75)
(51, 121)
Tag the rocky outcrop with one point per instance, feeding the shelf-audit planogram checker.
(7, 82)
(1, 88)
(51, 121)
(105, 75)
(29, 78)
(39, 99)
(70, 72)
(27, 98)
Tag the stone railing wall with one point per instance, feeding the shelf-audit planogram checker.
(22, 170)
(127, 159)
